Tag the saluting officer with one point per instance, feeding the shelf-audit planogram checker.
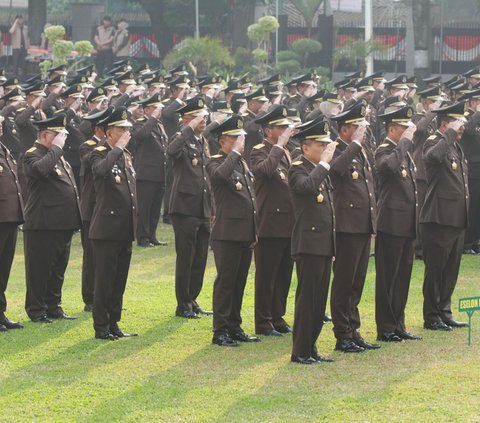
(273, 261)
(443, 217)
(11, 215)
(355, 212)
(112, 228)
(51, 216)
(87, 201)
(190, 206)
(233, 232)
(257, 105)
(396, 225)
(313, 237)
(150, 166)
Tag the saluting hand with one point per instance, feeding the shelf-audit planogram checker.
(456, 125)
(359, 134)
(408, 133)
(328, 153)
(283, 139)
(59, 140)
(195, 122)
(123, 140)
(239, 144)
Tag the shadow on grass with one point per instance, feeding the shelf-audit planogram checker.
(84, 354)
(199, 375)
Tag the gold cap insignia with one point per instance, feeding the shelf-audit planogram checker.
(409, 113)
(124, 115)
(200, 103)
(240, 124)
(284, 112)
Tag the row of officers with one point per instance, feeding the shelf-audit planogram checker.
(324, 201)
(297, 194)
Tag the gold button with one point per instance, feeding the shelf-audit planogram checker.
(313, 228)
(366, 180)
(351, 205)
(111, 212)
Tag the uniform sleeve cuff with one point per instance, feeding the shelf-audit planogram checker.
(325, 165)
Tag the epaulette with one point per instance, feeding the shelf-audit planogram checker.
(165, 100)
(21, 109)
(101, 148)
(432, 137)
(258, 146)
(59, 111)
(216, 156)
(142, 119)
(297, 163)
(31, 150)
(384, 145)
(91, 142)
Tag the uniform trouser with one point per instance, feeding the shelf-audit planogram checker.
(191, 245)
(46, 259)
(87, 265)
(19, 63)
(472, 234)
(232, 260)
(149, 200)
(104, 60)
(442, 253)
(168, 189)
(393, 264)
(313, 274)
(350, 269)
(8, 241)
(112, 262)
(421, 191)
(273, 275)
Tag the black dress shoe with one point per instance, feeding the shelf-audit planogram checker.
(199, 310)
(454, 324)
(88, 308)
(366, 345)
(407, 335)
(144, 244)
(225, 341)
(158, 243)
(42, 319)
(60, 315)
(389, 337)
(283, 329)
(418, 257)
(321, 359)
(243, 337)
(119, 333)
(187, 314)
(167, 220)
(303, 360)
(437, 326)
(11, 325)
(470, 251)
(106, 336)
(3, 328)
(327, 318)
(269, 332)
(348, 346)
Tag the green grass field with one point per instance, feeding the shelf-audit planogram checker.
(172, 373)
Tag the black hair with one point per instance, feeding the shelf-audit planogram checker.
(107, 18)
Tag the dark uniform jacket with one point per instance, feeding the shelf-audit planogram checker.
(311, 190)
(191, 187)
(11, 203)
(426, 126)
(150, 143)
(397, 200)
(10, 132)
(254, 133)
(232, 184)
(114, 216)
(470, 143)
(51, 104)
(270, 166)
(52, 197)
(27, 131)
(87, 201)
(75, 138)
(446, 199)
(354, 199)
(170, 118)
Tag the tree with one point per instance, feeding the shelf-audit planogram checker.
(260, 33)
(354, 52)
(306, 48)
(200, 54)
(308, 9)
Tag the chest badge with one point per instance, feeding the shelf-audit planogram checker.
(1, 169)
(354, 175)
(194, 161)
(238, 186)
(404, 173)
(117, 179)
(454, 165)
(58, 171)
(320, 198)
(282, 176)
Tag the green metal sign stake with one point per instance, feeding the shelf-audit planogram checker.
(469, 305)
